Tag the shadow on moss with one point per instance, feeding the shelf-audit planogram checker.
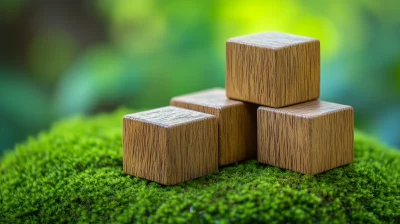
(74, 173)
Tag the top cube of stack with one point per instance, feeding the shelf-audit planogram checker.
(273, 69)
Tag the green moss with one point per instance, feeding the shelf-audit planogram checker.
(73, 173)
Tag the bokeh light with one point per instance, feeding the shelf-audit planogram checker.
(62, 58)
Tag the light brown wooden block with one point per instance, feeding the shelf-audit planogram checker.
(273, 69)
(237, 122)
(170, 145)
(309, 138)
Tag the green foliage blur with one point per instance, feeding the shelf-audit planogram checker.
(61, 58)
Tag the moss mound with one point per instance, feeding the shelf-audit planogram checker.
(74, 173)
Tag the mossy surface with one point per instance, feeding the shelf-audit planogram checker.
(74, 173)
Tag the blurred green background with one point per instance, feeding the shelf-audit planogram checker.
(66, 57)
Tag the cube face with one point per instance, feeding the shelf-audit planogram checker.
(273, 69)
(192, 151)
(237, 122)
(308, 138)
(284, 140)
(238, 134)
(170, 145)
(271, 40)
(212, 98)
(338, 146)
(168, 116)
(144, 155)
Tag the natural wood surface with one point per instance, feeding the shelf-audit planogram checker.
(170, 145)
(273, 69)
(237, 122)
(309, 138)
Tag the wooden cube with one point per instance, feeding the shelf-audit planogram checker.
(273, 69)
(309, 138)
(170, 145)
(237, 122)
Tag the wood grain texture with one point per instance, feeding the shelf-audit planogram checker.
(237, 122)
(273, 69)
(170, 145)
(309, 138)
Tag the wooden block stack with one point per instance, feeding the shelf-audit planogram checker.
(277, 70)
(270, 110)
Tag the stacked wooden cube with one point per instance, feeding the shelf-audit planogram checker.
(269, 111)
